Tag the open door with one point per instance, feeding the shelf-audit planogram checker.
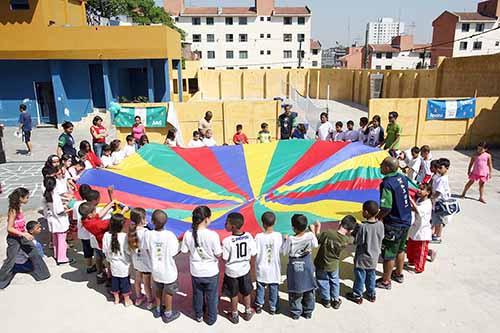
(46, 102)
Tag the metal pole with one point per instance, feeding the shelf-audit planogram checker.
(36, 103)
(300, 54)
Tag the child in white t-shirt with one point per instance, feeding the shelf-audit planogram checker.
(204, 250)
(424, 172)
(268, 265)
(325, 128)
(106, 159)
(163, 246)
(414, 163)
(117, 155)
(209, 140)
(237, 251)
(130, 147)
(442, 192)
(82, 233)
(115, 247)
(196, 141)
(300, 269)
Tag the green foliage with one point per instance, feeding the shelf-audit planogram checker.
(106, 8)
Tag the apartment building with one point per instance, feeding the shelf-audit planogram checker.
(383, 31)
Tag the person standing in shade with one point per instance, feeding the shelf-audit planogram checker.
(205, 123)
(286, 123)
(66, 142)
(25, 127)
(393, 132)
(99, 134)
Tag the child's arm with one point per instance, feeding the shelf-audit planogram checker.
(106, 209)
(471, 163)
(490, 165)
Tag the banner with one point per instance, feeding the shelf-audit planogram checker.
(451, 109)
(155, 116)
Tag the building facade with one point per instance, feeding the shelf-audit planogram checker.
(262, 36)
(331, 57)
(64, 68)
(465, 34)
(383, 31)
(402, 53)
(353, 59)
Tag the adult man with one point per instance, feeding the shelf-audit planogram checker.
(25, 126)
(395, 212)
(393, 132)
(287, 122)
(205, 123)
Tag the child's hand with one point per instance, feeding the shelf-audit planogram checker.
(28, 236)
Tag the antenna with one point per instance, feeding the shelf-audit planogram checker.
(348, 30)
(399, 21)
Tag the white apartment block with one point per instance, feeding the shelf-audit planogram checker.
(400, 54)
(259, 37)
(383, 31)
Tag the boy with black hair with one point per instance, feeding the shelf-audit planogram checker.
(130, 147)
(331, 245)
(393, 132)
(368, 243)
(240, 138)
(339, 133)
(363, 125)
(442, 192)
(324, 130)
(25, 126)
(267, 263)
(23, 263)
(414, 163)
(237, 251)
(106, 158)
(424, 173)
(351, 135)
(300, 268)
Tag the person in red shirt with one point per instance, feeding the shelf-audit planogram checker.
(240, 138)
(99, 134)
(90, 156)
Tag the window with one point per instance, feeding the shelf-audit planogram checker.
(196, 38)
(301, 54)
(301, 37)
(19, 4)
(287, 20)
(211, 68)
(388, 67)
(287, 37)
(262, 35)
(388, 55)
(287, 67)
(301, 20)
(229, 38)
(229, 21)
(196, 21)
(243, 67)
(479, 27)
(315, 52)
(262, 67)
(243, 55)
(378, 55)
(243, 38)
(268, 52)
(242, 20)
(497, 43)
(287, 54)
(230, 67)
(463, 46)
(211, 54)
(465, 27)
(262, 18)
(229, 55)
(315, 64)
(378, 67)
(198, 54)
(210, 38)
(269, 19)
(268, 35)
(210, 21)
(261, 52)
(477, 46)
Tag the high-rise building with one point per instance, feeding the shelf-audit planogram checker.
(383, 31)
(261, 36)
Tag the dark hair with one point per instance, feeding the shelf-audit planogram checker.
(264, 125)
(22, 107)
(323, 114)
(236, 220)
(115, 145)
(95, 120)
(371, 207)
(93, 195)
(115, 227)
(377, 118)
(48, 168)
(435, 164)
(483, 145)
(31, 225)
(195, 133)
(15, 198)
(350, 122)
(80, 163)
(444, 162)
(50, 184)
(268, 219)
(302, 128)
(137, 215)
(394, 114)
(428, 187)
(159, 219)
(106, 147)
(65, 157)
(143, 140)
(85, 209)
(348, 222)
(138, 117)
(208, 113)
(425, 149)
(415, 150)
(363, 120)
(171, 134)
(67, 124)
(239, 127)
(339, 124)
(129, 137)
(83, 190)
(299, 222)
(200, 214)
(85, 146)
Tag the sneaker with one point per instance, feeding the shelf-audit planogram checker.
(432, 255)
(336, 303)
(371, 298)
(382, 285)
(101, 278)
(436, 240)
(150, 305)
(295, 317)
(168, 318)
(69, 262)
(91, 270)
(157, 313)
(354, 298)
(139, 300)
(234, 317)
(307, 315)
(258, 309)
(248, 314)
(272, 312)
(398, 278)
(325, 303)
(199, 319)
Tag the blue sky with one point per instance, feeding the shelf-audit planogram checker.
(331, 17)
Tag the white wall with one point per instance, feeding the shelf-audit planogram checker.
(400, 60)
(255, 44)
(489, 40)
(383, 31)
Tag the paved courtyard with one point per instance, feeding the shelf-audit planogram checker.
(459, 292)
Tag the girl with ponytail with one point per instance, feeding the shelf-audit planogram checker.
(141, 260)
(204, 249)
(115, 247)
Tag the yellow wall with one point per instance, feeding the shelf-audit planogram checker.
(441, 134)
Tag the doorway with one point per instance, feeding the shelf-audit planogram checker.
(46, 102)
(97, 85)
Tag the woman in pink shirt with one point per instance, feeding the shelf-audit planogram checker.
(138, 130)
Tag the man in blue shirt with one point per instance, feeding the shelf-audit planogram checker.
(25, 126)
(395, 212)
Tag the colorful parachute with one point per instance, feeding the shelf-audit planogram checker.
(323, 180)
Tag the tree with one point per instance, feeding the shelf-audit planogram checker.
(106, 8)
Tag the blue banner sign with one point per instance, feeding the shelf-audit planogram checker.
(451, 109)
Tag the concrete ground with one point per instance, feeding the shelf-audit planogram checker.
(459, 292)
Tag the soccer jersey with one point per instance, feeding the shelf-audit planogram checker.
(268, 257)
(237, 250)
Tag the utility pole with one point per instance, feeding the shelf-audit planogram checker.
(300, 54)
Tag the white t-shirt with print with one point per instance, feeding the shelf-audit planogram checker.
(163, 246)
(118, 261)
(267, 263)
(421, 228)
(203, 260)
(237, 252)
(441, 184)
(297, 247)
(141, 259)
(325, 131)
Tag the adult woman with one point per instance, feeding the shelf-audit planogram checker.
(51, 166)
(138, 131)
(99, 134)
(66, 143)
(90, 156)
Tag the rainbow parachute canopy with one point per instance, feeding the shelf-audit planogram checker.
(323, 180)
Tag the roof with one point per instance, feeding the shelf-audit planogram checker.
(383, 48)
(199, 11)
(248, 11)
(315, 44)
(297, 11)
(473, 16)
